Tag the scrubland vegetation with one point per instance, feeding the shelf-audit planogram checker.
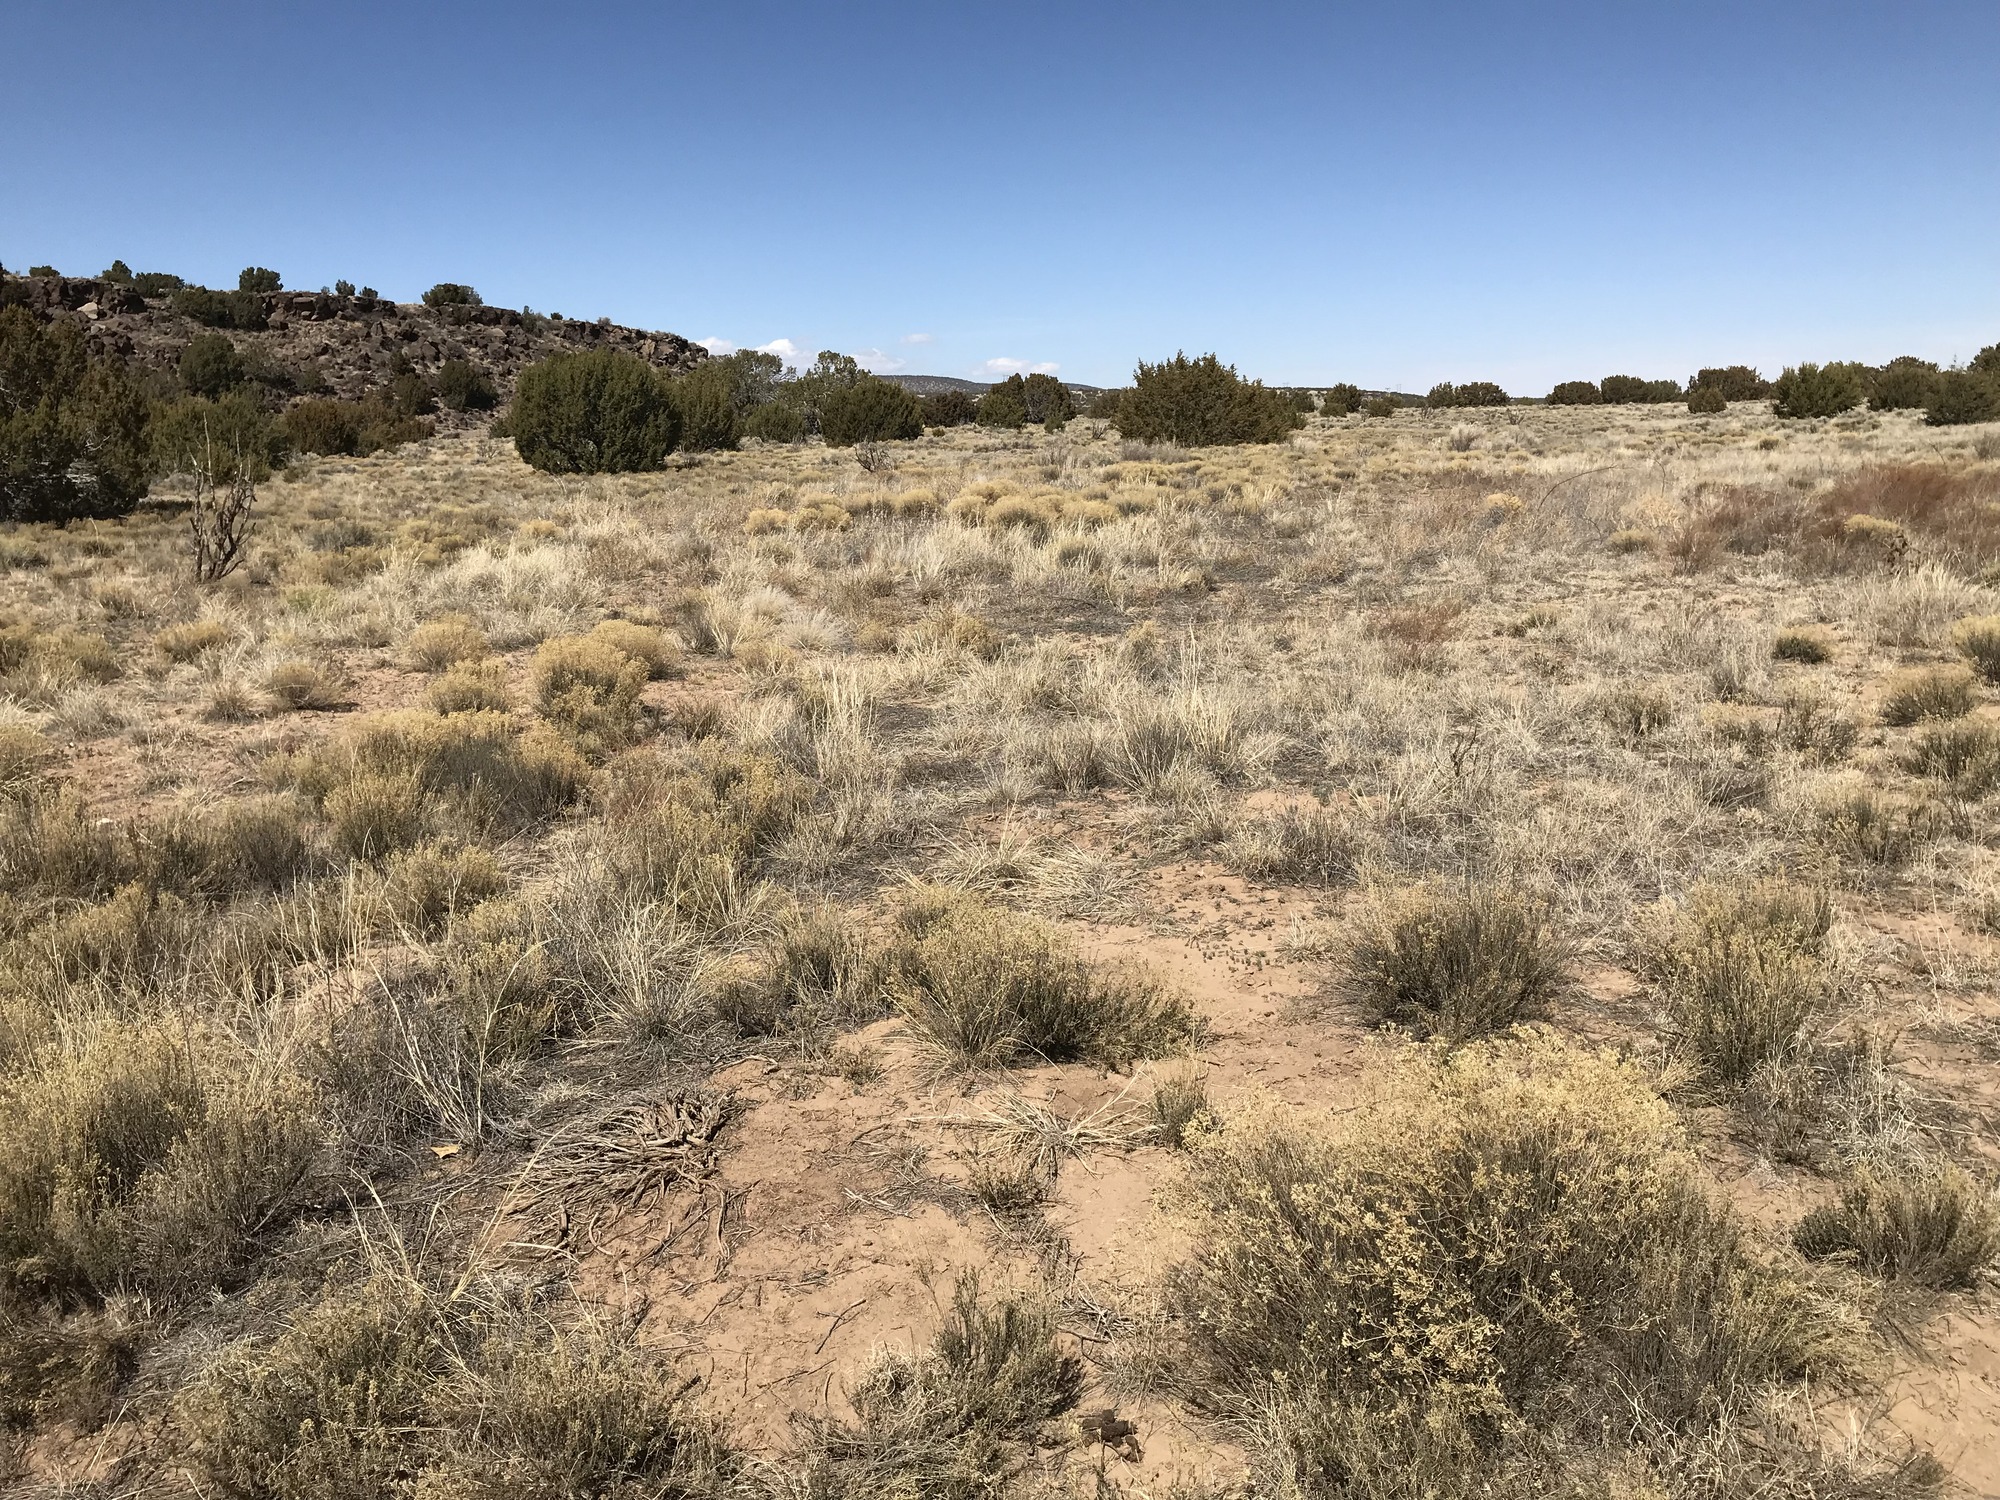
(424, 942)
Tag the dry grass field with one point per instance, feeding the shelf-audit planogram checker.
(1452, 956)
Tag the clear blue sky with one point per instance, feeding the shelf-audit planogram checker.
(1387, 194)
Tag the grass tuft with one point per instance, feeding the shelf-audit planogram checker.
(1933, 1227)
(988, 989)
(1458, 962)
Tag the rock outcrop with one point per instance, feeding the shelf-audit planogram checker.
(322, 344)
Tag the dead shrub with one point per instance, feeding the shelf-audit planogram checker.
(1920, 693)
(1417, 634)
(1954, 511)
(1932, 1226)
(1179, 1104)
(988, 989)
(1634, 713)
(1509, 1249)
(1458, 962)
(444, 642)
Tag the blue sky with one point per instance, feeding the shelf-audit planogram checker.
(1385, 194)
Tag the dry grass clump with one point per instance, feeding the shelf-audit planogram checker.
(299, 684)
(957, 1421)
(24, 754)
(1507, 1257)
(1806, 644)
(1878, 828)
(136, 1157)
(389, 779)
(1810, 722)
(190, 639)
(246, 844)
(989, 989)
(1928, 693)
(1299, 846)
(1933, 1226)
(1179, 1104)
(1458, 962)
(392, 1388)
(38, 666)
(1966, 755)
(52, 844)
(444, 642)
(1744, 976)
(1977, 639)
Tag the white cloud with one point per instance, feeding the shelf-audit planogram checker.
(1002, 367)
(916, 338)
(785, 349)
(875, 362)
(717, 346)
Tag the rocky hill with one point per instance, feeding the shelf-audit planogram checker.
(323, 344)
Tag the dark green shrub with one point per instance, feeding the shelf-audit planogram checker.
(117, 272)
(43, 271)
(1340, 400)
(596, 412)
(1473, 393)
(1576, 393)
(776, 422)
(1903, 384)
(1810, 390)
(210, 365)
(411, 394)
(949, 409)
(1381, 406)
(354, 428)
(705, 398)
(869, 410)
(156, 283)
(463, 386)
(1736, 382)
(1963, 396)
(1200, 403)
(343, 289)
(1002, 406)
(1987, 361)
(259, 279)
(1106, 405)
(72, 429)
(1631, 390)
(225, 437)
(1707, 400)
(452, 294)
(240, 310)
(1045, 399)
